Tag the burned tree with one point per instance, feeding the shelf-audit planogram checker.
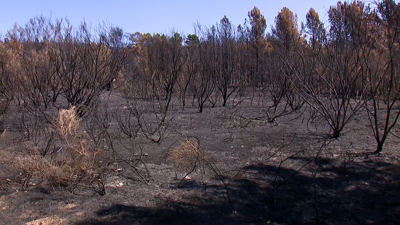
(227, 49)
(381, 68)
(334, 87)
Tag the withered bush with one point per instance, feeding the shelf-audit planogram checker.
(75, 164)
(188, 154)
(48, 221)
(68, 122)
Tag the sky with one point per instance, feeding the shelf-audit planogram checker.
(157, 16)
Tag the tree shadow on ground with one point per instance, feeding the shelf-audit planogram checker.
(355, 193)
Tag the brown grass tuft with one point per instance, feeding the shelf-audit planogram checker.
(76, 164)
(3, 134)
(51, 220)
(72, 167)
(188, 154)
(69, 206)
(68, 122)
(80, 214)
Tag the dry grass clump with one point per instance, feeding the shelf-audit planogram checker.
(47, 221)
(72, 168)
(69, 206)
(73, 164)
(188, 154)
(3, 134)
(68, 122)
(8, 176)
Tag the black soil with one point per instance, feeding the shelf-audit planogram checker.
(286, 172)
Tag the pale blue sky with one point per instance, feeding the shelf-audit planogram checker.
(152, 16)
